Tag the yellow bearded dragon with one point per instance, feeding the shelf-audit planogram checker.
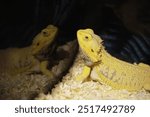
(108, 70)
(17, 60)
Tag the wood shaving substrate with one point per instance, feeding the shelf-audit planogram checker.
(69, 89)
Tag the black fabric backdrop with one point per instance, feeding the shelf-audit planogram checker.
(21, 20)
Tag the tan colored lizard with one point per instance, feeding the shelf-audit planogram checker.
(17, 60)
(102, 67)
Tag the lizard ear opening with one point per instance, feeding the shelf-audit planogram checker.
(92, 50)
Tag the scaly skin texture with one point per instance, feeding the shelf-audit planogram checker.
(25, 60)
(102, 67)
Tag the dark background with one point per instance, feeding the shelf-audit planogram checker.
(123, 24)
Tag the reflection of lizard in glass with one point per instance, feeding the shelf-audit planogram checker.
(25, 60)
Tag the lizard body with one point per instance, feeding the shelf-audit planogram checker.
(102, 67)
(17, 60)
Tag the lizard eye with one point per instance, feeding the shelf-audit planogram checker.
(38, 44)
(45, 33)
(86, 38)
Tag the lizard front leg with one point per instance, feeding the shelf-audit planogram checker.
(84, 75)
(45, 70)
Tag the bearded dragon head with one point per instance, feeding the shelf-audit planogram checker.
(44, 39)
(90, 44)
